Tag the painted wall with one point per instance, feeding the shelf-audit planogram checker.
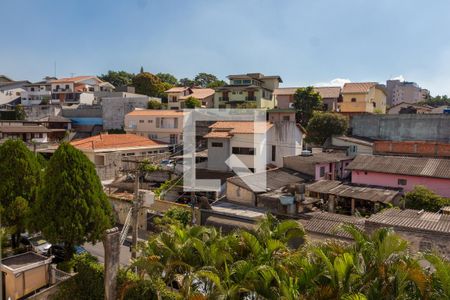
(240, 195)
(438, 185)
(218, 155)
(287, 139)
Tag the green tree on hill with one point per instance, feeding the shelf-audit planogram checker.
(167, 78)
(148, 84)
(306, 101)
(324, 125)
(117, 78)
(71, 207)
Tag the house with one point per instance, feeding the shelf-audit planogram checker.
(38, 93)
(331, 96)
(10, 91)
(24, 274)
(409, 108)
(251, 90)
(47, 129)
(107, 150)
(347, 198)
(115, 105)
(281, 114)
(159, 125)
(177, 95)
(402, 172)
(412, 148)
(404, 92)
(238, 138)
(80, 89)
(363, 97)
(321, 165)
(349, 144)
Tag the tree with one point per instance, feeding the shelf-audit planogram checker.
(71, 207)
(186, 82)
(422, 198)
(203, 79)
(142, 70)
(148, 84)
(167, 78)
(20, 112)
(153, 104)
(306, 101)
(216, 83)
(17, 215)
(192, 102)
(118, 78)
(324, 125)
(437, 101)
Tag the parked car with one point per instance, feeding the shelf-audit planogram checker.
(59, 252)
(35, 243)
(167, 163)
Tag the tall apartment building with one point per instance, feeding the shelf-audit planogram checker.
(252, 90)
(404, 91)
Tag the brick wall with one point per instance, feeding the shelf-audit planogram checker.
(413, 148)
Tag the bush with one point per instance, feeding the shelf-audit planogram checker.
(177, 216)
(422, 198)
(153, 104)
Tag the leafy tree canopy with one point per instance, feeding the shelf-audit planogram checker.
(149, 84)
(192, 102)
(324, 125)
(306, 101)
(71, 207)
(422, 198)
(203, 79)
(216, 83)
(20, 112)
(167, 78)
(437, 101)
(118, 78)
(153, 104)
(186, 82)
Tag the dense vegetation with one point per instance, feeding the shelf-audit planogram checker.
(274, 262)
(437, 101)
(323, 125)
(422, 198)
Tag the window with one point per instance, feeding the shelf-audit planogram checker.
(286, 118)
(173, 139)
(353, 99)
(243, 151)
(374, 104)
(32, 89)
(216, 145)
(152, 136)
(322, 171)
(149, 121)
(246, 81)
(67, 86)
(402, 181)
(325, 107)
(274, 153)
(141, 121)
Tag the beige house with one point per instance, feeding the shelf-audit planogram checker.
(331, 96)
(23, 274)
(252, 90)
(159, 125)
(177, 95)
(363, 97)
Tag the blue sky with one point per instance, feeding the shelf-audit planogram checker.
(305, 42)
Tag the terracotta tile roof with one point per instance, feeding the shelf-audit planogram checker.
(115, 141)
(176, 89)
(241, 127)
(199, 94)
(155, 112)
(74, 79)
(413, 166)
(324, 92)
(218, 135)
(358, 87)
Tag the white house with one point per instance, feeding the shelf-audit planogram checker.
(280, 139)
(80, 89)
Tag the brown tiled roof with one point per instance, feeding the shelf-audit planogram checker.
(242, 127)
(199, 94)
(218, 135)
(155, 112)
(411, 219)
(24, 129)
(176, 89)
(324, 92)
(413, 166)
(358, 87)
(115, 141)
(74, 79)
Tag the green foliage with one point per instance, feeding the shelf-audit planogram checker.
(19, 172)
(167, 184)
(71, 207)
(204, 79)
(117, 78)
(186, 82)
(153, 104)
(175, 216)
(192, 102)
(323, 125)
(167, 78)
(20, 112)
(148, 84)
(422, 198)
(306, 102)
(117, 131)
(147, 166)
(17, 215)
(437, 101)
(216, 83)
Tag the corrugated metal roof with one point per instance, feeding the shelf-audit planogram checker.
(325, 223)
(411, 219)
(414, 166)
(275, 179)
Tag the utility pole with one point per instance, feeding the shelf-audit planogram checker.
(135, 213)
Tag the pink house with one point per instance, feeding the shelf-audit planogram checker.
(402, 172)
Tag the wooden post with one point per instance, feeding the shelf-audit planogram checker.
(353, 206)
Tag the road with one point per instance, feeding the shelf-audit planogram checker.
(98, 251)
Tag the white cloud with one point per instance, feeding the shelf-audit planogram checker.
(399, 77)
(334, 82)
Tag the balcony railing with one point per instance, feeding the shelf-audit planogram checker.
(250, 98)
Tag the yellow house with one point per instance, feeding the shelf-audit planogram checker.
(363, 97)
